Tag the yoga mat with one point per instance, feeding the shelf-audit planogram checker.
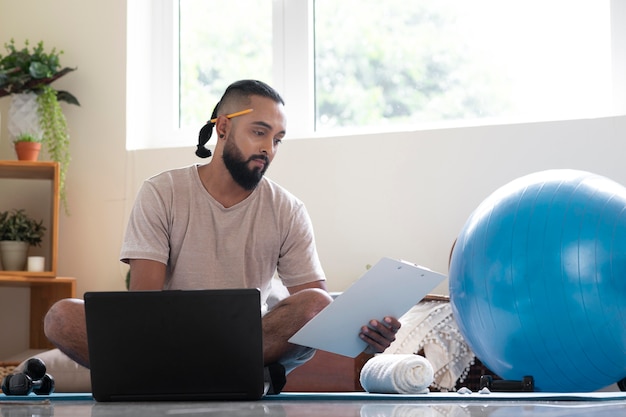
(367, 397)
(447, 396)
(56, 396)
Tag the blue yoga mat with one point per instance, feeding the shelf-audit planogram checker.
(447, 396)
(60, 396)
(366, 397)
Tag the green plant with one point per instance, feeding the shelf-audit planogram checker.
(18, 226)
(23, 71)
(56, 137)
(26, 137)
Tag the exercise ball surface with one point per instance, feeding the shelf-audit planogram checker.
(538, 281)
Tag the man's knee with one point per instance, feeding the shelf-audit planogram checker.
(63, 316)
(298, 308)
(312, 301)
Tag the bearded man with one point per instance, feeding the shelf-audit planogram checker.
(225, 225)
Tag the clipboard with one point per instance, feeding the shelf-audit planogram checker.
(390, 288)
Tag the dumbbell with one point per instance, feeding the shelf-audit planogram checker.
(527, 384)
(32, 378)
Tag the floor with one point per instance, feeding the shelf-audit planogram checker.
(277, 408)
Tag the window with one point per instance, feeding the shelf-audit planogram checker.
(215, 50)
(397, 62)
(350, 65)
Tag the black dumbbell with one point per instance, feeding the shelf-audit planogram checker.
(527, 384)
(32, 378)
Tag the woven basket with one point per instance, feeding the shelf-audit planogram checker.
(7, 368)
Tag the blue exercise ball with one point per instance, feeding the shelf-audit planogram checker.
(538, 281)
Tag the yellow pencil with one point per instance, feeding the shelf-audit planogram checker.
(231, 115)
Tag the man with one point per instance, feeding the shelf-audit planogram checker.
(224, 225)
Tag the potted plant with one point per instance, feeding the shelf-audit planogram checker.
(18, 232)
(26, 75)
(27, 147)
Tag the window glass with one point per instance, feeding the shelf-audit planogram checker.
(372, 65)
(403, 62)
(220, 42)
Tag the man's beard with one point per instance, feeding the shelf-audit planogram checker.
(238, 167)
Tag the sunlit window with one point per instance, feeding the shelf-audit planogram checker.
(220, 42)
(398, 62)
(358, 65)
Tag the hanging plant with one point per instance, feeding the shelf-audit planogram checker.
(26, 71)
(56, 137)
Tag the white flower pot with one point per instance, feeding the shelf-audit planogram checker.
(22, 116)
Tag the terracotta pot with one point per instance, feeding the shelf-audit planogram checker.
(27, 151)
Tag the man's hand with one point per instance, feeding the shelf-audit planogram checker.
(379, 335)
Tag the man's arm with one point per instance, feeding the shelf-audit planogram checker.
(146, 274)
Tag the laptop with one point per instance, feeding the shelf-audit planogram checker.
(175, 345)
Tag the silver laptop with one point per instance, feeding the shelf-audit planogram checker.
(175, 345)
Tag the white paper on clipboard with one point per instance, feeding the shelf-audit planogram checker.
(389, 288)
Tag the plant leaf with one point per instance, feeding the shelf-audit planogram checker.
(39, 70)
(67, 97)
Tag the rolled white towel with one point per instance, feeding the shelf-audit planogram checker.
(397, 374)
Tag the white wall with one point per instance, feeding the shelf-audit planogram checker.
(407, 195)
(403, 195)
(92, 35)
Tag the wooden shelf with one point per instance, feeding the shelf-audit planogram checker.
(40, 171)
(27, 274)
(45, 287)
(29, 170)
(34, 279)
(44, 292)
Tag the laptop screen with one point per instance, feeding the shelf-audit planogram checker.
(175, 345)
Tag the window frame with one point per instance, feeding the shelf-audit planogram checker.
(152, 119)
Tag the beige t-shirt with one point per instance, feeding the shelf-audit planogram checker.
(205, 245)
